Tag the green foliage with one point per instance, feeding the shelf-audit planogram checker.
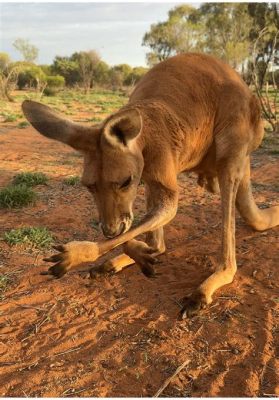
(178, 34)
(30, 75)
(135, 75)
(67, 68)
(87, 62)
(30, 179)
(5, 61)
(10, 117)
(55, 81)
(102, 73)
(23, 124)
(227, 27)
(32, 237)
(16, 196)
(72, 180)
(4, 282)
(216, 28)
(28, 51)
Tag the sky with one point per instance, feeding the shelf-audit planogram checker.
(115, 30)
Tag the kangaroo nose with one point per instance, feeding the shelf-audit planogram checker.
(110, 231)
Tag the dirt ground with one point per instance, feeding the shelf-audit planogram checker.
(119, 335)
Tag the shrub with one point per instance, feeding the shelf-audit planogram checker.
(23, 124)
(54, 83)
(4, 281)
(71, 180)
(30, 179)
(10, 117)
(17, 196)
(30, 75)
(32, 237)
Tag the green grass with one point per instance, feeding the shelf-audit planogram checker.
(32, 237)
(4, 282)
(11, 117)
(30, 179)
(94, 119)
(72, 180)
(23, 124)
(17, 196)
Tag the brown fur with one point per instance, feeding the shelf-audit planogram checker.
(191, 112)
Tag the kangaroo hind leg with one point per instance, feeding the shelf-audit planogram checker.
(258, 219)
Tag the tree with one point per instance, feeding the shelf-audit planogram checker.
(8, 76)
(135, 75)
(4, 61)
(216, 28)
(102, 73)
(265, 17)
(226, 27)
(30, 75)
(87, 62)
(66, 67)
(267, 100)
(27, 50)
(178, 34)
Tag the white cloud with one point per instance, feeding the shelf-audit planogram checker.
(114, 29)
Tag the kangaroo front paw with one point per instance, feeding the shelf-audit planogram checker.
(71, 255)
(192, 305)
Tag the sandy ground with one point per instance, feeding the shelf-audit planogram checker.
(119, 335)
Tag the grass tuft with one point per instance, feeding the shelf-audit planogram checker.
(71, 180)
(30, 179)
(23, 124)
(32, 237)
(17, 196)
(4, 282)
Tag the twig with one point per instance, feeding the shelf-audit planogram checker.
(64, 352)
(29, 306)
(167, 382)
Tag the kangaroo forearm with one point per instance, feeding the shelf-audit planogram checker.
(151, 222)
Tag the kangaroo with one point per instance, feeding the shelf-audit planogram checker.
(191, 112)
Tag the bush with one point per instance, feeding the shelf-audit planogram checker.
(23, 124)
(30, 76)
(4, 282)
(71, 180)
(17, 196)
(30, 179)
(39, 238)
(55, 81)
(10, 117)
(54, 84)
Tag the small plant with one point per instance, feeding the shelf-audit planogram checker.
(23, 124)
(30, 179)
(4, 282)
(17, 196)
(10, 118)
(32, 237)
(71, 180)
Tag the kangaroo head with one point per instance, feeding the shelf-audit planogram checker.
(113, 161)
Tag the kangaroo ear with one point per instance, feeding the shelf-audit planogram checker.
(51, 125)
(123, 127)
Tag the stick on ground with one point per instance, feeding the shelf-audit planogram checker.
(166, 383)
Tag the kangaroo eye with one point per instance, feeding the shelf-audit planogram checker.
(126, 183)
